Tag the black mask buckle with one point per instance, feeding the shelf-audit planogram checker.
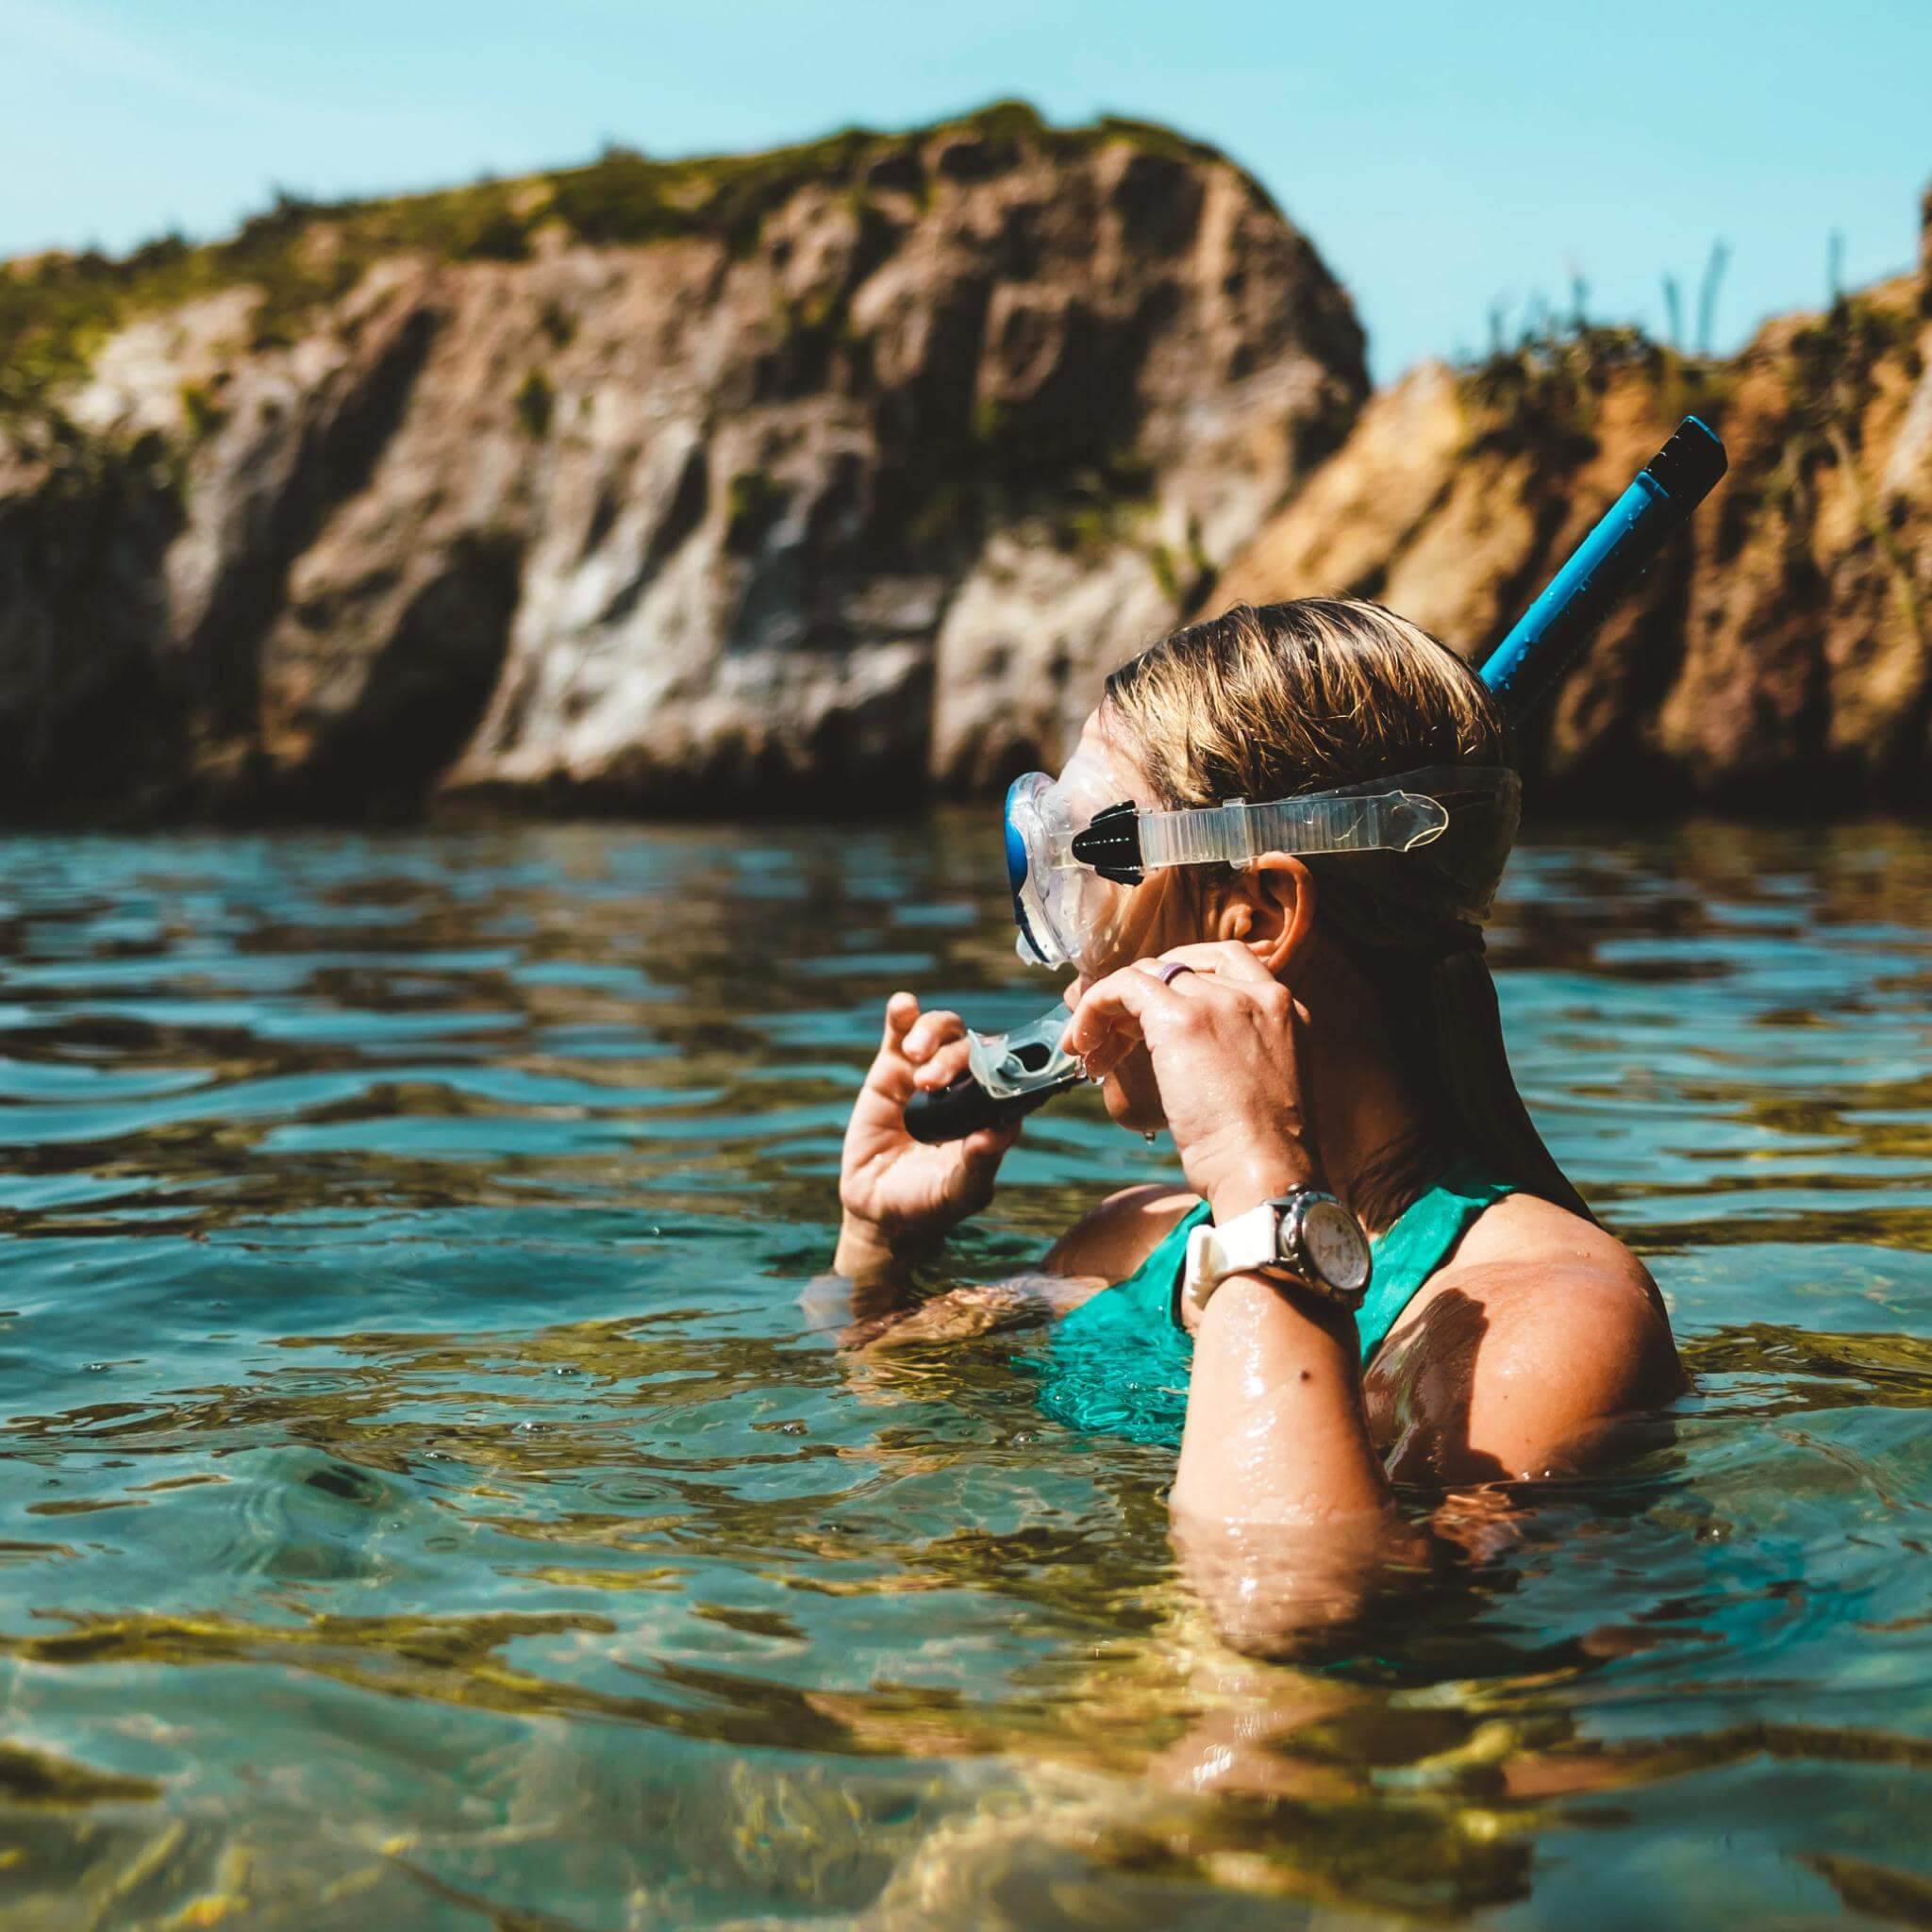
(1111, 845)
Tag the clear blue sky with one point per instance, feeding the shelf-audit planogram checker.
(1441, 156)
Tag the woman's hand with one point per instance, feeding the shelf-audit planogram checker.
(897, 1194)
(1221, 1038)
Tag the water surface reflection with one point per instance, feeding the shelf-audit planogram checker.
(429, 1504)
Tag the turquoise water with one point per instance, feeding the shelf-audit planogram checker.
(434, 1495)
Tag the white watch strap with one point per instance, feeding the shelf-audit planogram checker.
(1215, 1253)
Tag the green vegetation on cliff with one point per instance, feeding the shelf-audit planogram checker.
(1541, 393)
(56, 308)
(1780, 652)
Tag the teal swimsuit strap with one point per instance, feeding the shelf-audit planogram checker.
(1416, 1245)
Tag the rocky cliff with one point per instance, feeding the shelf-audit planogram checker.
(823, 473)
(841, 473)
(1779, 655)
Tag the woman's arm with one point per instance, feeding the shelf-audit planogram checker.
(1277, 1432)
(1103, 1246)
(1281, 1508)
(1525, 1364)
(1283, 1515)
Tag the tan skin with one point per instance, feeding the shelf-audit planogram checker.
(1521, 1357)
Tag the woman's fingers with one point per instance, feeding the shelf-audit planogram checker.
(889, 1076)
(930, 1032)
(1120, 1003)
(1115, 1013)
(1226, 960)
(902, 1010)
(909, 1040)
(944, 1065)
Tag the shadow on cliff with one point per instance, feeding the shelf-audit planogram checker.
(421, 698)
(84, 699)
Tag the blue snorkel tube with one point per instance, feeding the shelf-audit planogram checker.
(1522, 671)
(1543, 642)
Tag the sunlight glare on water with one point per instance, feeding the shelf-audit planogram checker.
(435, 1492)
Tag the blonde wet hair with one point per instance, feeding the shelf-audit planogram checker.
(1265, 702)
(1296, 697)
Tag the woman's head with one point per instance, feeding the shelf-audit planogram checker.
(1271, 702)
(1292, 699)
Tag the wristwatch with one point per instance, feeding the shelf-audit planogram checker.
(1304, 1240)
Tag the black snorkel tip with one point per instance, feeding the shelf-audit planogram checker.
(962, 1106)
(1690, 465)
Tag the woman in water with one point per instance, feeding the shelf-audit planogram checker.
(1305, 1023)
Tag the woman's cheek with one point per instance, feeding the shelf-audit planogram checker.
(1148, 926)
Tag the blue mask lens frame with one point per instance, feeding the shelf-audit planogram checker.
(1018, 870)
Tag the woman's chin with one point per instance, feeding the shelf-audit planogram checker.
(1128, 1109)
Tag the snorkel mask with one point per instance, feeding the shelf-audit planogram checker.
(1072, 861)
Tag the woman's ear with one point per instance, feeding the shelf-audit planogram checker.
(1270, 908)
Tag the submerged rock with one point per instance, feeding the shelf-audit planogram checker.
(832, 472)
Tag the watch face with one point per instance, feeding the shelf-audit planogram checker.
(1336, 1247)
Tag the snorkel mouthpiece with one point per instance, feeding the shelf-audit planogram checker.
(1119, 845)
(1008, 1075)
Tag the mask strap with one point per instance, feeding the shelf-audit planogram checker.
(1124, 845)
(1238, 832)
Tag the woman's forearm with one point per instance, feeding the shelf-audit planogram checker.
(876, 1273)
(1281, 1509)
(1276, 1431)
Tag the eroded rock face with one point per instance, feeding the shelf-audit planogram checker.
(1780, 654)
(852, 500)
(845, 473)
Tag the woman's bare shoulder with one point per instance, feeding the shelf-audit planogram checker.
(1526, 1228)
(1543, 1332)
(1109, 1241)
(1548, 1280)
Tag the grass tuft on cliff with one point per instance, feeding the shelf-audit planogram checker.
(56, 308)
(1540, 393)
(1541, 390)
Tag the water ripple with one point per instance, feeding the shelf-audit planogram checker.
(430, 1503)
